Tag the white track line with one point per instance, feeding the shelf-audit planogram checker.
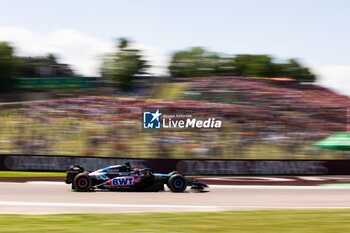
(57, 204)
(63, 204)
(257, 207)
(46, 182)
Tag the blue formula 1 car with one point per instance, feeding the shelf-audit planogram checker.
(122, 177)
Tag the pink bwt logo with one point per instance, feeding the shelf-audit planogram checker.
(123, 181)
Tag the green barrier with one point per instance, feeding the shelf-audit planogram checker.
(57, 83)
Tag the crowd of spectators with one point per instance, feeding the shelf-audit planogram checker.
(262, 118)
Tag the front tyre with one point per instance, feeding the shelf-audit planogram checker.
(177, 183)
(82, 182)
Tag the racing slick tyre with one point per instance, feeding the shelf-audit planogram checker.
(174, 172)
(177, 183)
(82, 182)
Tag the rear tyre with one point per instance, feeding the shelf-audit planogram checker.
(177, 183)
(82, 182)
(174, 172)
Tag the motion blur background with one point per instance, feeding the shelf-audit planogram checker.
(75, 76)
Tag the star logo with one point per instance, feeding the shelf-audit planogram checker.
(156, 115)
(151, 120)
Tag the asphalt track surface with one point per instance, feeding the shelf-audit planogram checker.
(57, 197)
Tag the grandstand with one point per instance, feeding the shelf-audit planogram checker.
(262, 118)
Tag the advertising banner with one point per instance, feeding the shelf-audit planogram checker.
(185, 166)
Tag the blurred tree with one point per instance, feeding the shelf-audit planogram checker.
(293, 69)
(226, 66)
(196, 62)
(46, 66)
(254, 66)
(123, 65)
(7, 66)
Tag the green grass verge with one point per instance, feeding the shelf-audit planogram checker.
(31, 174)
(300, 221)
